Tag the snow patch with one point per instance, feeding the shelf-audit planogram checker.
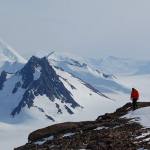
(100, 128)
(68, 134)
(141, 115)
(37, 73)
(44, 140)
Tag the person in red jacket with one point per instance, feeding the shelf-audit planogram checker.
(134, 98)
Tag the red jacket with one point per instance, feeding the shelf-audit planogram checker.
(134, 94)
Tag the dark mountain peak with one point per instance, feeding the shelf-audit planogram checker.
(39, 78)
(33, 65)
(35, 62)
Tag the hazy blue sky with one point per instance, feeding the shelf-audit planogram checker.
(86, 27)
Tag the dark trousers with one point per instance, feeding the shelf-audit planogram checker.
(134, 104)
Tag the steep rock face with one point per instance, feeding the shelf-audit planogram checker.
(110, 131)
(3, 77)
(39, 78)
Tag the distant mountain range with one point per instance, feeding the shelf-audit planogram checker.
(121, 66)
(88, 72)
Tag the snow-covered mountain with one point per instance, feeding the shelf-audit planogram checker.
(9, 54)
(85, 70)
(38, 89)
(10, 60)
(121, 66)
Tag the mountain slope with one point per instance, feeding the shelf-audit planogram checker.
(9, 54)
(10, 60)
(111, 131)
(38, 89)
(85, 71)
(121, 66)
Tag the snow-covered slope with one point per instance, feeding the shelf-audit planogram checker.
(141, 115)
(9, 54)
(10, 60)
(85, 70)
(121, 66)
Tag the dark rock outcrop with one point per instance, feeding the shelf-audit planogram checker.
(109, 132)
(48, 83)
(3, 77)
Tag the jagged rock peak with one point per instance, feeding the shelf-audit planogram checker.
(39, 78)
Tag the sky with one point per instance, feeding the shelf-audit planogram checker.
(91, 28)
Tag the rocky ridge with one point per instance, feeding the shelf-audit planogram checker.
(111, 131)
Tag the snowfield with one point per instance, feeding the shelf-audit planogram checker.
(141, 115)
(85, 70)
